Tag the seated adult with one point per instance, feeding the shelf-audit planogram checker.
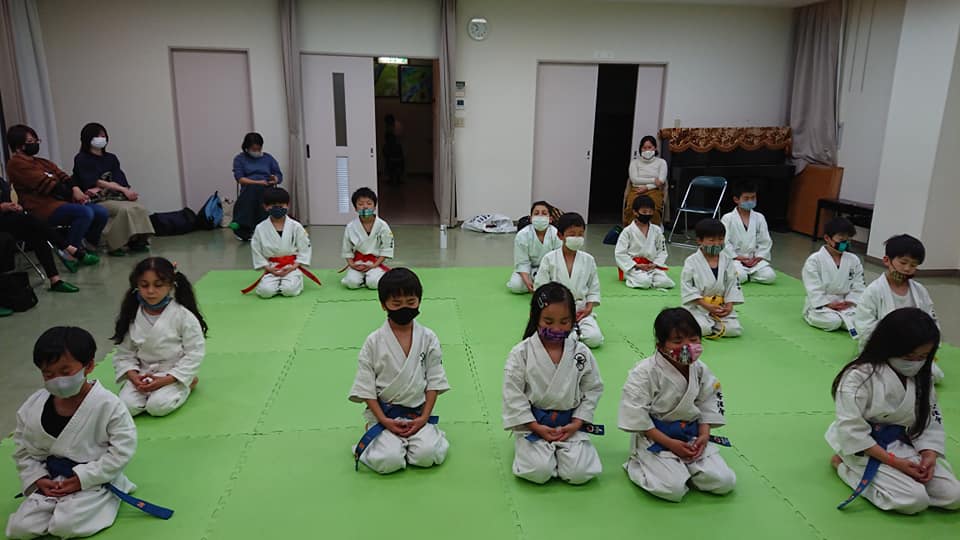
(254, 170)
(36, 235)
(50, 195)
(648, 176)
(98, 173)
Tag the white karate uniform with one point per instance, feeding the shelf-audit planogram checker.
(384, 372)
(697, 281)
(878, 300)
(825, 283)
(583, 282)
(378, 243)
(865, 397)
(527, 252)
(531, 379)
(656, 389)
(101, 437)
(631, 244)
(266, 243)
(751, 241)
(173, 345)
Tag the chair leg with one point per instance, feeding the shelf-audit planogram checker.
(33, 263)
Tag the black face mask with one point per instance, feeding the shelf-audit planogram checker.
(403, 316)
(31, 149)
(644, 218)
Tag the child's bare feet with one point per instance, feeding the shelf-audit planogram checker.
(835, 461)
(194, 383)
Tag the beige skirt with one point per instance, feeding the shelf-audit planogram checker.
(127, 219)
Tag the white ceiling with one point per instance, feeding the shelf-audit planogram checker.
(767, 3)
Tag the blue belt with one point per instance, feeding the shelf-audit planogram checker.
(61, 466)
(555, 419)
(390, 411)
(883, 434)
(682, 431)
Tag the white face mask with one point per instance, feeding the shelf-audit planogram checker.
(648, 154)
(67, 386)
(907, 368)
(98, 142)
(574, 243)
(540, 223)
(255, 154)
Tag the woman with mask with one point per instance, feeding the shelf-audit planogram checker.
(50, 194)
(254, 170)
(648, 176)
(98, 173)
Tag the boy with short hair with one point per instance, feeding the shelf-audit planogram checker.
(577, 269)
(748, 240)
(281, 248)
(895, 289)
(709, 287)
(833, 278)
(367, 243)
(641, 252)
(399, 376)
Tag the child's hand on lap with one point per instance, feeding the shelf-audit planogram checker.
(46, 486)
(569, 429)
(681, 449)
(413, 426)
(397, 426)
(928, 463)
(548, 434)
(585, 312)
(66, 487)
(909, 468)
(157, 383)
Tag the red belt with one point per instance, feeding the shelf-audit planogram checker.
(642, 260)
(367, 258)
(281, 262)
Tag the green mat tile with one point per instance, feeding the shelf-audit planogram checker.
(255, 325)
(299, 484)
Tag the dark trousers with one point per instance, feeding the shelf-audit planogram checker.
(248, 211)
(35, 234)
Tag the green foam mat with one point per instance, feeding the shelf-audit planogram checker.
(262, 447)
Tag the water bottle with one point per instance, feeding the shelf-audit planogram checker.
(443, 237)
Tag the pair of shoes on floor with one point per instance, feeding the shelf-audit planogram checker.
(64, 287)
(70, 262)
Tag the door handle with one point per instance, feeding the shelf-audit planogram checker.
(588, 154)
(308, 151)
(371, 151)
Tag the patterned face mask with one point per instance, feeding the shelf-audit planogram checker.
(713, 250)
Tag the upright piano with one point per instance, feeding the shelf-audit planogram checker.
(758, 154)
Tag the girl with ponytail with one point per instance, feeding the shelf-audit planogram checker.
(160, 336)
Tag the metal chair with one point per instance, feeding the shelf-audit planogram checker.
(22, 249)
(701, 183)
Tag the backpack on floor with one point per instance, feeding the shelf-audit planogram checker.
(16, 292)
(211, 213)
(174, 223)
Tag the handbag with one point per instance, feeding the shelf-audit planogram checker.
(16, 292)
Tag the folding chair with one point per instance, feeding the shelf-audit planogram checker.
(22, 249)
(701, 183)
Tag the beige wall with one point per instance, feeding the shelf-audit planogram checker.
(371, 27)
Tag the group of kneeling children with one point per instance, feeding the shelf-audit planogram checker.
(74, 437)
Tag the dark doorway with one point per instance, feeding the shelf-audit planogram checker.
(612, 137)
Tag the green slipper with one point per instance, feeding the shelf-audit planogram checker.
(119, 252)
(4, 312)
(63, 286)
(139, 248)
(70, 263)
(89, 259)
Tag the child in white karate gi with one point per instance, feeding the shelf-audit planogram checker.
(833, 278)
(708, 284)
(551, 386)
(280, 248)
(577, 270)
(530, 245)
(748, 238)
(670, 403)
(641, 252)
(399, 376)
(160, 337)
(367, 243)
(888, 434)
(72, 419)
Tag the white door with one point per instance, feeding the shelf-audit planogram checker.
(563, 138)
(646, 112)
(340, 133)
(214, 112)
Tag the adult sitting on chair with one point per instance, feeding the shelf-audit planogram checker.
(98, 173)
(35, 234)
(254, 170)
(648, 176)
(50, 195)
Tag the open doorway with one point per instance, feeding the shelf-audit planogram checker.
(612, 139)
(406, 127)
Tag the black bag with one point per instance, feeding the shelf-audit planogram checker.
(174, 223)
(211, 213)
(16, 292)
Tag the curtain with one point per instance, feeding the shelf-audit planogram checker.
(31, 63)
(10, 102)
(445, 180)
(296, 174)
(813, 102)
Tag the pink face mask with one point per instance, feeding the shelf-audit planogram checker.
(686, 354)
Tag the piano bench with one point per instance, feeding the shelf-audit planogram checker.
(859, 213)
